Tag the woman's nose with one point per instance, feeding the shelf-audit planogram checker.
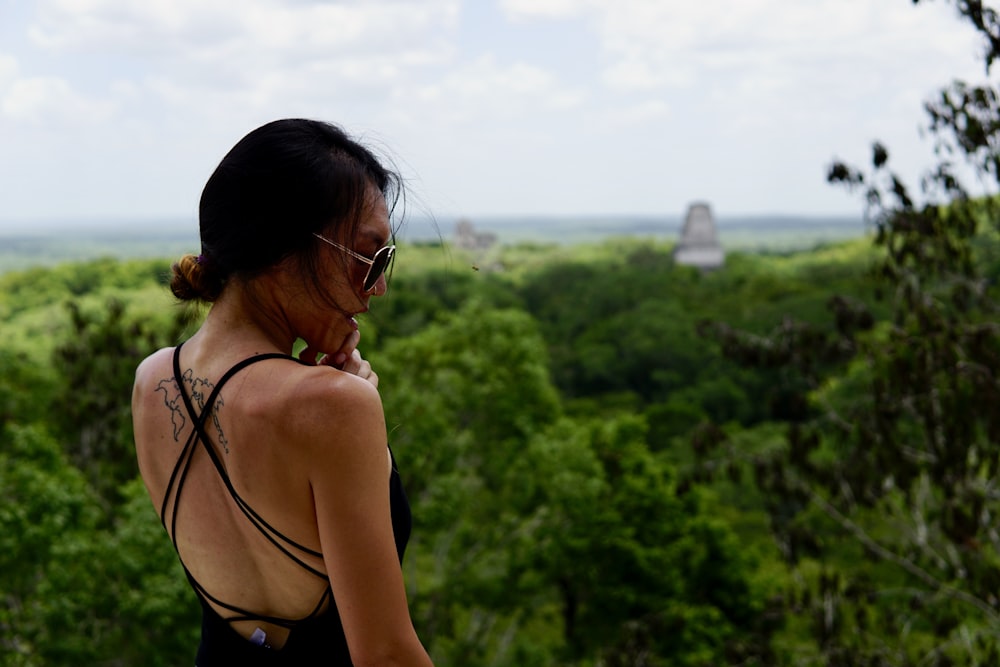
(381, 286)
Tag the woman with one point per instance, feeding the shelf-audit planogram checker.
(272, 474)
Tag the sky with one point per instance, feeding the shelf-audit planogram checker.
(119, 110)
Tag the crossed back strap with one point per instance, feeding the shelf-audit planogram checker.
(179, 475)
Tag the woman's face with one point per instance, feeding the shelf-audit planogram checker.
(331, 320)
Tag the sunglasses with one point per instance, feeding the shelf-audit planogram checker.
(376, 265)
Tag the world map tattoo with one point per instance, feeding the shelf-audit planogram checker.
(199, 389)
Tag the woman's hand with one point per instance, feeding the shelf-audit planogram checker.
(356, 366)
(346, 359)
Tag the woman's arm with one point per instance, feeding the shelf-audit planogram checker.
(350, 485)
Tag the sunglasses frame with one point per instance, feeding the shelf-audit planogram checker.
(388, 250)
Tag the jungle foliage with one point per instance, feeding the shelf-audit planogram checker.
(554, 426)
(554, 525)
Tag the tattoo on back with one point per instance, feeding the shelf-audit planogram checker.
(199, 389)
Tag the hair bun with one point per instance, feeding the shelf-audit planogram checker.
(193, 279)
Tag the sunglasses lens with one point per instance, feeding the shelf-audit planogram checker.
(380, 262)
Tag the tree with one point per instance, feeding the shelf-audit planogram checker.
(544, 539)
(116, 594)
(91, 412)
(42, 500)
(24, 389)
(77, 590)
(884, 495)
(462, 398)
(641, 575)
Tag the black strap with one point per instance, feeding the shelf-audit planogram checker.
(199, 423)
(179, 474)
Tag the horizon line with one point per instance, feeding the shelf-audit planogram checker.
(116, 223)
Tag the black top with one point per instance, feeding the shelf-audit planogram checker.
(316, 639)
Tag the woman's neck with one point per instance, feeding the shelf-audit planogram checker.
(245, 317)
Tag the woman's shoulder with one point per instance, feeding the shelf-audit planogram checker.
(301, 400)
(155, 368)
(330, 423)
(321, 399)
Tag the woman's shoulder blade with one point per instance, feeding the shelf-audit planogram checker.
(317, 402)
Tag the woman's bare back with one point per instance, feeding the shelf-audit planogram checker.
(226, 552)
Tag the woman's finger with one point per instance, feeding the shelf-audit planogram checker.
(340, 357)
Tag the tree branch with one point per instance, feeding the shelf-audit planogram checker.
(908, 565)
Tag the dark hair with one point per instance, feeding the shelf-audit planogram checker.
(278, 185)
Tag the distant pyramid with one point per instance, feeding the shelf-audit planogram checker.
(467, 237)
(699, 245)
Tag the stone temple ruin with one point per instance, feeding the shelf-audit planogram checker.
(699, 244)
(467, 237)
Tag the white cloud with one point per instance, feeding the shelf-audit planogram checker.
(542, 8)
(648, 44)
(541, 105)
(770, 78)
(642, 113)
(8, 68)
(40, 100)
(636, 73)
(257, 53)
(144, 27)
(205, 30)
(485, 89)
